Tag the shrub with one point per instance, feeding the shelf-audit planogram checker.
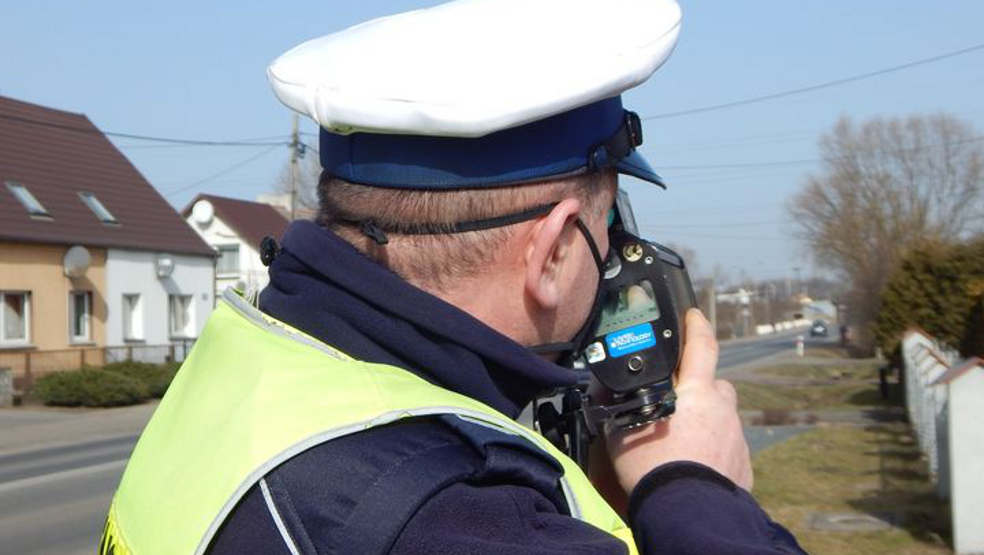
(89, 387)
(157, 377)
(937, 287)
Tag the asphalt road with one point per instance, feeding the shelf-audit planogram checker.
(739, 352)
(53, 499)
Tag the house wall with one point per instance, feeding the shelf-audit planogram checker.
(38, 269)
(251, 272)
(135, 272)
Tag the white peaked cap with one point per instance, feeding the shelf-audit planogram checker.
(473, 67)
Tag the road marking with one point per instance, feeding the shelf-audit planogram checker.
(45, 448)
(62, 475)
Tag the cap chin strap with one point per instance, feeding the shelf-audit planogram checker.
(569, 349)
(626, 138)
(377, 232)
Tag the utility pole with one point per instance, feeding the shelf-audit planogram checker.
(294, 146)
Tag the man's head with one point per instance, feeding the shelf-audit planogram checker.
(533, 280)
(440, 121)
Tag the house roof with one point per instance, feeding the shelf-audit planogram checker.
(56, 155)
(252, 221)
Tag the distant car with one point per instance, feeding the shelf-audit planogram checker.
(819, 328)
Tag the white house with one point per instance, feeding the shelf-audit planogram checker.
(92, 259)
(157, 298)
(235, 228)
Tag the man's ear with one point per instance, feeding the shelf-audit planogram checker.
(548, 250)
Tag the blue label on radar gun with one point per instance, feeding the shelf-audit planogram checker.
(630, 340)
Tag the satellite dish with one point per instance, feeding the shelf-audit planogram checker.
(76, 261)
(165, 266)
(203, 211)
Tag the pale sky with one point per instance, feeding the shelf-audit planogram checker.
(196, 70)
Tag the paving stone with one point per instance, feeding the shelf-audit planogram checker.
(851, 522)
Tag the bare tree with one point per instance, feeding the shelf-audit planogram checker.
(883, 186)
(304, 181)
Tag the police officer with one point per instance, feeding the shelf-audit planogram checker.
(366, 403)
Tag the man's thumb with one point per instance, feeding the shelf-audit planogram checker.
(700, 350)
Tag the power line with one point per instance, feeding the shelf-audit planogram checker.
(727, 237)
(818, 86)
(715, 225)
(95, 131)
(742, 165)
(220, 173)
(260, 141)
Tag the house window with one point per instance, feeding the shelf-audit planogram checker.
(132, 317)
(228, 260)
(180, 315)
(80, 316)
(104, 215)
(30, 203)
(15, 317)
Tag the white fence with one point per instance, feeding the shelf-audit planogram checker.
(766, 329)
(943, 399)
(925, 362)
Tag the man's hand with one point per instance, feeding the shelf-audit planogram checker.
(705, 427)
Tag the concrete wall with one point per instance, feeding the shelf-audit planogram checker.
(135, 272)
(966, 444)
(38, 269)
(252, 273)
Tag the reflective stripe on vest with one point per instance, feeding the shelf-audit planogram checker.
(253, 393)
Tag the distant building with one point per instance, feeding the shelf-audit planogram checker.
(281, 201)
(234, 228)
(740, 297)
(90, 253)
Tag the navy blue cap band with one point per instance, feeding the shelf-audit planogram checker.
(558, 145)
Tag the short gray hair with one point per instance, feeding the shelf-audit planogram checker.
(439, 259)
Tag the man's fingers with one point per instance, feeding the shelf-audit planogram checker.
(700, 351)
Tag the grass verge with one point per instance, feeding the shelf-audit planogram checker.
(831, 372)
(757, 396)
(870, 470)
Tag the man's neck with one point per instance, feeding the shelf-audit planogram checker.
(495, 300)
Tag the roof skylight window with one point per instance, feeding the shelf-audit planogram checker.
(31, 204)
(104, 215)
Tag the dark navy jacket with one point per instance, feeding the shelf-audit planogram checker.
(441, 484)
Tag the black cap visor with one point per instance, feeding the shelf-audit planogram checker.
(636, 165)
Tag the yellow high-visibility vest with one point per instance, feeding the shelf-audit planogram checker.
(253, 393)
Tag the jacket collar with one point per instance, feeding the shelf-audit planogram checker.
(322, 285)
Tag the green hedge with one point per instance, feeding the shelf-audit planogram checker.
(90, 387)
(115, 384)
(157, 377)
(939, 288)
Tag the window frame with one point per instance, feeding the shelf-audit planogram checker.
(26, 199)
(92, 202)
(72, 315)
(228, 248)
(135, 314)
(189, 327)
(26, 340)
